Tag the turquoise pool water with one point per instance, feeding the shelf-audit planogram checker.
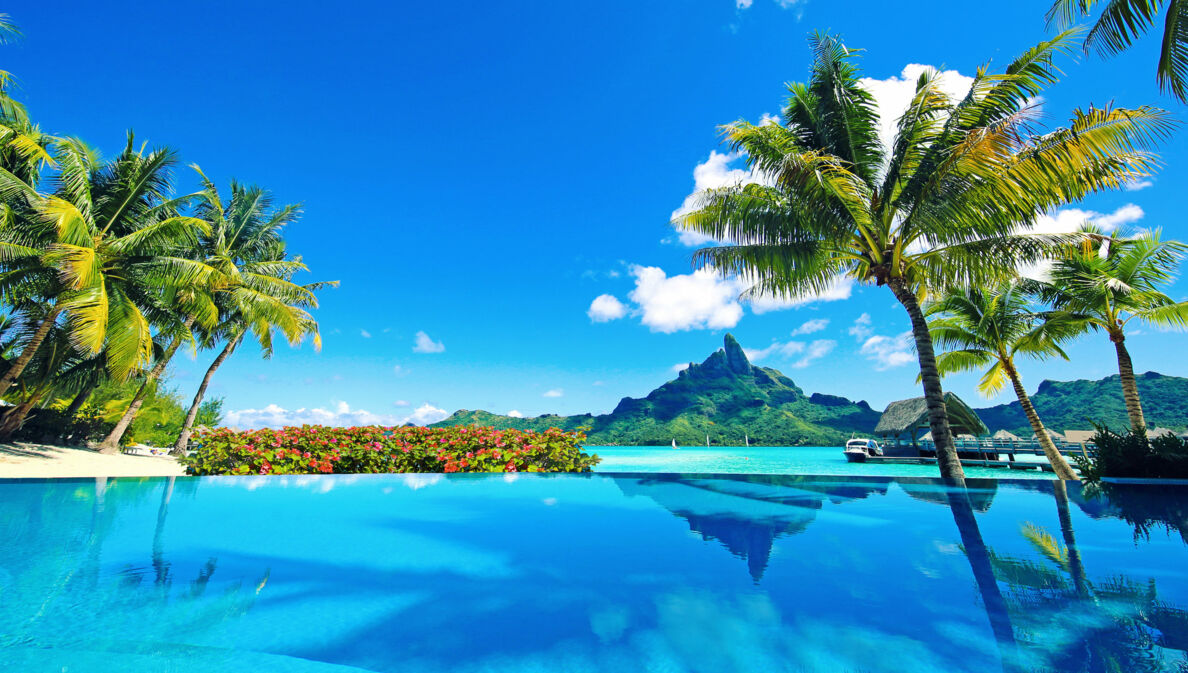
(774, 460)
(582, 573)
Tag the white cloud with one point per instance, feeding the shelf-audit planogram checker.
(275, 416)
(712, 173)
(861, 327)
(703, 299)
(426, 414)
(515, 414)
(400, 403)
(776, 348)
(782, 4)
(605, 308)
(680, 367)
(1122, 216)
(808, 353)
(426, 345)
(398, 370)
(839, 289)
(1067, 220)
(365, 334)
(555, 392)
(894, 94)
(811, 326)
(889, 351)
(816, 350)
(1136, 185)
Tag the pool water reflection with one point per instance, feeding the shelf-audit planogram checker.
(656, 572)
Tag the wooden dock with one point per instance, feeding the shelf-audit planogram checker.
(967, 462)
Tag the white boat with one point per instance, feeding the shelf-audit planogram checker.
(747, 439)
(859, 449)
(674, 444)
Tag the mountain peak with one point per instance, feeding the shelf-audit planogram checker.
(736, 359)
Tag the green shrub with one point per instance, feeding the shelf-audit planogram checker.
(50, 426)
(316, 449)
(1134, 455)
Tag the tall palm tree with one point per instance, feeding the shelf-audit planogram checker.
(1109, 280)
(942, 205)
(245, 243)
(1123, 21)
(117, 246)
(981, 329)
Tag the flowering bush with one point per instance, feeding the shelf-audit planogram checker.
(313, 449)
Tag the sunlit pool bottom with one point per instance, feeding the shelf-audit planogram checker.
(670, 573)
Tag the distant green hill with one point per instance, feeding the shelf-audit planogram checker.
(725, 397)
(1072, 405)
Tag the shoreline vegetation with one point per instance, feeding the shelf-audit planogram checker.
(107, 271)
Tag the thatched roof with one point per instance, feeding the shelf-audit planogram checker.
(1003, 434)
(1079, 436)
(1051, 433)
(904, 417)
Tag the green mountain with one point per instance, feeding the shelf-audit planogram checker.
(725, 397)
(1076, 405)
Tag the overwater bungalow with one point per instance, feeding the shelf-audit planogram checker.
(905, 421)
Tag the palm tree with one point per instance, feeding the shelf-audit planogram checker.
(1109, 280)
(942, 205)
(980, 329)
(245, 244)
(1123, 21)
(40, 379)
(122, 256)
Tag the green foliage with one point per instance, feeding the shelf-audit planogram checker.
(210, 413)
(316, 449)
(1069, 405)
(51, 426)
(725, 397)
(1135, 455)
(1122, 22)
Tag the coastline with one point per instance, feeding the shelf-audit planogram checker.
(21, 460)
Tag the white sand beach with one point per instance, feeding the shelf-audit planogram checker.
(21, 460)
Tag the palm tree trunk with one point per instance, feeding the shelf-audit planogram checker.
(934, 396)
(79, 400)
(1134, 407)
(29, 351)
(14, 419)
(183, 439)
(1075, 567)
(1059, 465)
(111, 444)
(978, 556)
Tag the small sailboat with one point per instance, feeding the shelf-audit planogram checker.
(674, 444)
(707, 441)
(747, 439)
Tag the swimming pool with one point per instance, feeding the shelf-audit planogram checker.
(599, 572)
(775, 460)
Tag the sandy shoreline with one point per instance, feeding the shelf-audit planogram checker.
(39, 461)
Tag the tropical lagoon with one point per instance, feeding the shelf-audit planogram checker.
(798, 460)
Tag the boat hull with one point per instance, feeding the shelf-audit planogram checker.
(855, 456)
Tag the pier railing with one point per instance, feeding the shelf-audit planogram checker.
(1008, 447)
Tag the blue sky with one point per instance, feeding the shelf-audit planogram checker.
(480, 173)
